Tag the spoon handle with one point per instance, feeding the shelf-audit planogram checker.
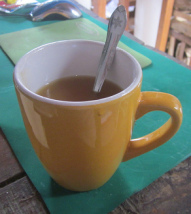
(116, 27)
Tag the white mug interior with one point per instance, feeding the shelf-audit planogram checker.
(66, 58)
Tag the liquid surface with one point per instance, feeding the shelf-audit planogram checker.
(77, 88)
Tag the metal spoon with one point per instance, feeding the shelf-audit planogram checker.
(66, 9)
(116, 27)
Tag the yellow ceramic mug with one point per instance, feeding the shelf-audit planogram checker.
(81, 144)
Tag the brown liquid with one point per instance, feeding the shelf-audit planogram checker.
(77, 88)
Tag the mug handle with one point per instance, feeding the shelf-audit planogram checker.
(155, 101)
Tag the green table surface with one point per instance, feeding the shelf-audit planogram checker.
(162, 75)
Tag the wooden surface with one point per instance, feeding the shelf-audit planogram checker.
(99, 7)
(180, 32)
(17, 193)
(164, 24)
(183, 14)
(182, 4)
(183, 27)
(169, 194)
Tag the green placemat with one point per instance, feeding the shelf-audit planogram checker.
(18, 43)
(132, 176)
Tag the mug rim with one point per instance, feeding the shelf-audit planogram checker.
(20, 86)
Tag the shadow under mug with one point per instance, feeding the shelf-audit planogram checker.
(81, 144)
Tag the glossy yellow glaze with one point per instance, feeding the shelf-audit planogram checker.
(82, 146)
(156, 101)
